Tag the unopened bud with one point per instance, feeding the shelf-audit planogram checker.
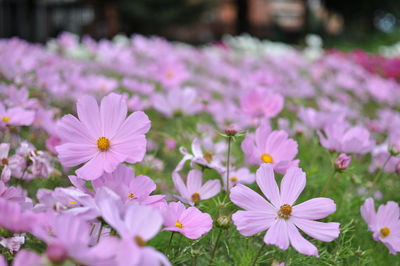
(56, 253)
(342, 162)
(231, 130)
(223, 221)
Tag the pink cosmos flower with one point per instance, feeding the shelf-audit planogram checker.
(272, 147)
(103, 137)
(239, 176)
(6, 172)
(384, 224)
(190, 222)
(15, 116)
(13, 218)
(130, 188)
(341, 137)
(281, 218)
(11, 193)
(136, 225)
(13, 244)
(177, 102)
(258, 102)
(194, 190)
(342, 162)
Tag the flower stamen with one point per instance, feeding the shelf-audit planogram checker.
(196, 197)
(267, 158)
(140, 241)
(285, 211)
(6, 119)
(234, 179)
(179, 225)
(385, 231)
(103, 143)
(208, 156)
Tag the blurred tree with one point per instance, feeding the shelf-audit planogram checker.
(360, 14)
(155, 16)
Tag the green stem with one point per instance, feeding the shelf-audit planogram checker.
(380, 170)
(328, 182)
(258, 254)
(228, 164)
(170, 240)
(215, 247)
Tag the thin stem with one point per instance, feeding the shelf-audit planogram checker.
(194, 262)
(380, 170)
(328, 182)
(170, 240)
(228, 163)
(258, 254)
(215, 247)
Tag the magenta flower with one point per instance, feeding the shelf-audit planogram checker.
(103, 137)
(15, 116)
(342, 162)
(340, 137)
(384, 224)
(272, 147)
(137, 225)
(194, 190)
(190, 222)
(281, 218)
(259, 102)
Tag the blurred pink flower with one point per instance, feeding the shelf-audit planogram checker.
(103, 137)
(13, 218)
(342, 162)
(384, 224)
(194, 190)
(190, 222)
(272, 147)
(340, 137)
(280, 217)
(259, 102)
(239, 176)
(15, 116)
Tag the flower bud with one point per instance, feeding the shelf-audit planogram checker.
(231, 130)
(56, 253)
(342, 162)
(223, 221)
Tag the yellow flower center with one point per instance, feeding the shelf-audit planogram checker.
(169, 74)
(285, 211)
(73, 202)
(140, 241)
(179, 225)
(131, 195)
(234, 179)
(196, 197)
(4, 161)
(266, 158)
(385, 232)
(103, 143)
(208, 156)
(6, 119)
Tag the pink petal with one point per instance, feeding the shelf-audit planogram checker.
(278, 234)
(387, 213)
(314, 209)
(180, 186)
(322, 231)
(249, 223)
(137, 123)
(299, 243)
(110, 205)
(292, 185)
(70, 129)
(210, 189)
(89, 115)
(93, 169)
(143, 221)
(113, 110)
(194, 180)
(72, 154)
(249, 200)
(266, 181)
(132, 149)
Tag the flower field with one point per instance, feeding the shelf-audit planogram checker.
(140, 151)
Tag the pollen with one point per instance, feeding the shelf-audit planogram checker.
(73, 202)
(285, 211)
(131, 195)
(140, 241)
(196, 197)
(234, 179)
(385, 231)
(179, 225)
(6, 119)
(103, 143)
(266, 158)
(208, 156)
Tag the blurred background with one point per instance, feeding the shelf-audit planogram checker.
(343, 23)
